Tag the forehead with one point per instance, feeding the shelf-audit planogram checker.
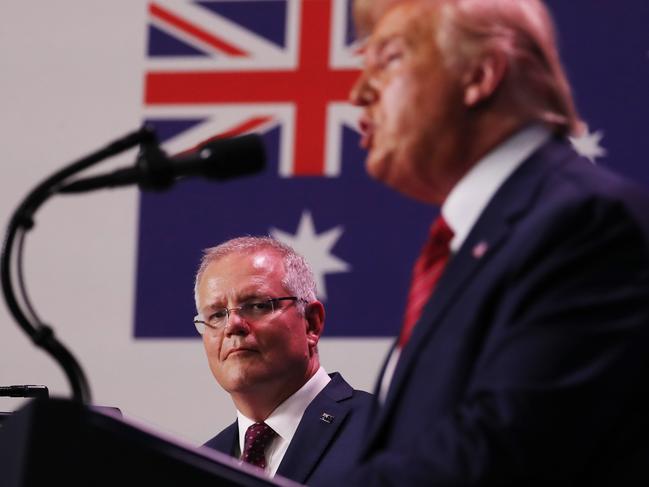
(368, 12)
(414, 22)
(260, 270)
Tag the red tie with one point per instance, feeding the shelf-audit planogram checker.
(425, 274)
(258, 437)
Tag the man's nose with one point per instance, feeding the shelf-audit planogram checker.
(236, 325)
(362, 93)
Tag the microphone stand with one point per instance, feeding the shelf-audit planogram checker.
(21, 222)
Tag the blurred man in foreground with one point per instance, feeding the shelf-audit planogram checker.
(261, 322)
(522, 358)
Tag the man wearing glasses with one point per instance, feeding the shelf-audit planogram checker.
(261, 322)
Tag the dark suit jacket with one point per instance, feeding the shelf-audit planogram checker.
(318, 448)
(530, 363)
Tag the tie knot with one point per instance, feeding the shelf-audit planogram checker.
(440, 232)
(258, 437)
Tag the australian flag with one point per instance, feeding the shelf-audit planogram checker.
(283, 69)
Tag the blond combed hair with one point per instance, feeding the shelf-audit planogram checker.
(523, 30)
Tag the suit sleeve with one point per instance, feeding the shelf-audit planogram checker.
(559, 367)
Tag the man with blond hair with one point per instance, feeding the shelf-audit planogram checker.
(522, 358)
(261, 322)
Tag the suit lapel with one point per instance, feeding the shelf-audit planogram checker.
(386, 360)
(226, 441)
(320, 422)
(458, 271)
(510, 203)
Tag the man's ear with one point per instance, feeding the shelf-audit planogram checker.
(483, 78)
(314, 314)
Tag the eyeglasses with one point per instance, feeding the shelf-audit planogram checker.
(249, 311)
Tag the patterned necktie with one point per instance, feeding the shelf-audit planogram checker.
(258, 437)
(426, 273)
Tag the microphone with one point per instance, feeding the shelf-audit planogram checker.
(219, 159)
(24, 391)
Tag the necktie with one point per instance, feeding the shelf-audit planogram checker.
(258, 437)
(425, 274)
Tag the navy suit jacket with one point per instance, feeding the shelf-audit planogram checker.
(530, 363)
(319, 448)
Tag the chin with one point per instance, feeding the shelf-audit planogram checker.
(233, 380)
(377, 165)
(407, 184)
(236, 384)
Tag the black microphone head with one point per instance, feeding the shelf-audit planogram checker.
(232, 157)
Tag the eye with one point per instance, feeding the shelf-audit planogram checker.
(391, 59)
(219, 314)
(257, 307)
(391, 54)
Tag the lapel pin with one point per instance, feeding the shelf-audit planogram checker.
(480, 249)
(327, 418)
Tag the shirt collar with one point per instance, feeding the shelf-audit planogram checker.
(472, 193)
(286, 417)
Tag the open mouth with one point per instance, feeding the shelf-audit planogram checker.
(367, 132)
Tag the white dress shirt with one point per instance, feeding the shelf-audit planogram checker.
(285, 419)
(470, 196)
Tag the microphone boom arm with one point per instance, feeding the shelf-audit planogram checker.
(219, 159)
(22, 221)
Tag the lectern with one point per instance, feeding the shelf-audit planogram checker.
(61, 442)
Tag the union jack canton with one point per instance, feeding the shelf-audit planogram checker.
(283, 69)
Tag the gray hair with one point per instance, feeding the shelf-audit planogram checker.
(298, 277)
(523, 30)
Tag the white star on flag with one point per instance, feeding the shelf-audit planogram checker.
(588, 144)
(315, 248)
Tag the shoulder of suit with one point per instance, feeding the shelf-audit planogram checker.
(223, 438)
(339, 389)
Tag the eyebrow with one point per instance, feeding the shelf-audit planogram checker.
(241, 298)
(379, 45)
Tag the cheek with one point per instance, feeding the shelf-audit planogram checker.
(212, 346)
(397, 129)
(403, 106)
(395, 106)
(274, 339)
(284, 343)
